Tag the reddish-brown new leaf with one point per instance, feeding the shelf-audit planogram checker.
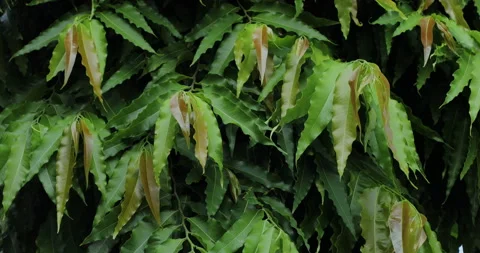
(86, 48)
(180, 108)
(87, 148)
(260, 41)
(71, 48)
(150, 187)
(426, 27)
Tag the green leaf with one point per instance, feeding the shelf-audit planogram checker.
(150, 188)
(432, 240)
(272, 82)
(48, 145)
(412, 21)
(216, 188)
(461, 76)
(303, 183)
(158, 18)
(165, 129)
(406, 227)
(376, 204)
(139, 238)
(98, 166)
(159, 237)
(125, 30)
(132, 65)
(47, 36)
(48, 179)
(390, 6)
(16, 168)
(254, 239)
(64, 172)
(224, 54)
(298, 7)
(132, 14)
(235, 237)
(320, 115)
(259, 174)
(461, 34)
(99, 37)
(454, 9)
(169, 246)
(215, 33)
(57, 62)
(132, 197)
(454, 159)
(343, 9)
(206, 232)
(293, 67)
(472, 152)
(290, 24)
(343, 120)
(245, 56)
(474, 91)
(91, 60)
(204, 26)
(337, 193)
(105, 245)
(286, 142)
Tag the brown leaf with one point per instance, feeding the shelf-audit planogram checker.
(71, 48)
(426, 27)
(406, 228)
(260, 41)
(180, 108)
(87, 149)
(201, 135)
(150, 188)
(447, 35)
(86, 48)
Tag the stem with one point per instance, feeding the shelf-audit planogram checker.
(244, 11)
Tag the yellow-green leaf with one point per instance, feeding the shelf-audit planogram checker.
(474, 100)
(57, 62)
(406, 227)
(201, 134)
(87, 148)
(65, 164)
(390, 5)
(150, 187)
(454, 9)
(165, 129)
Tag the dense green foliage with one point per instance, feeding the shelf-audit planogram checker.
(239, 126)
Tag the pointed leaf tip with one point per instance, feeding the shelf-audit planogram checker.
(150, 187)
(260, 41)
(71, 49)
(426, 27)
(180, 108)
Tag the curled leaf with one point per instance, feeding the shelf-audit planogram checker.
(150, 187)
(71, 48)
(260, 41)
(426, 27)
(181, 108)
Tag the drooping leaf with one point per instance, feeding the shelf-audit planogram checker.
(99, 37)
(343, 123)
(165, 129)
(294, 64)
(47, 36)
(216, 189)
(139, 238)
(456, 158)
(48, 180)
(57, 62)
(201, 134)
(131, 66)
(454, 9)
(215, 33)
(461, 77)
(215, 142)
(94, 144)
(376, 204)
(71, 47)
(406, 227)
(180, 107)
(235, 237)
(64, 165)
(132, 14)
(87, 148)
(344, 9)
(432, 239)
(16, 168)
(260, 41)
(426, 27)
(124, 29)
(233, 111)
(290, 24)
(276, 77)
(472, 152)
(132, 197)
(337, 193)
(320, 115)
(286, 142)
(90, 59)
(244, 53)
(150, 187)
(474, 91)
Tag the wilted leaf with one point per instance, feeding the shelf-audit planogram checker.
(260, 41)
(180, 108)
(406, 227)
(71, 48)
(426, 27)
(150, 187)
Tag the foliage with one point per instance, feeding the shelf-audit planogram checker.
(239, 126)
